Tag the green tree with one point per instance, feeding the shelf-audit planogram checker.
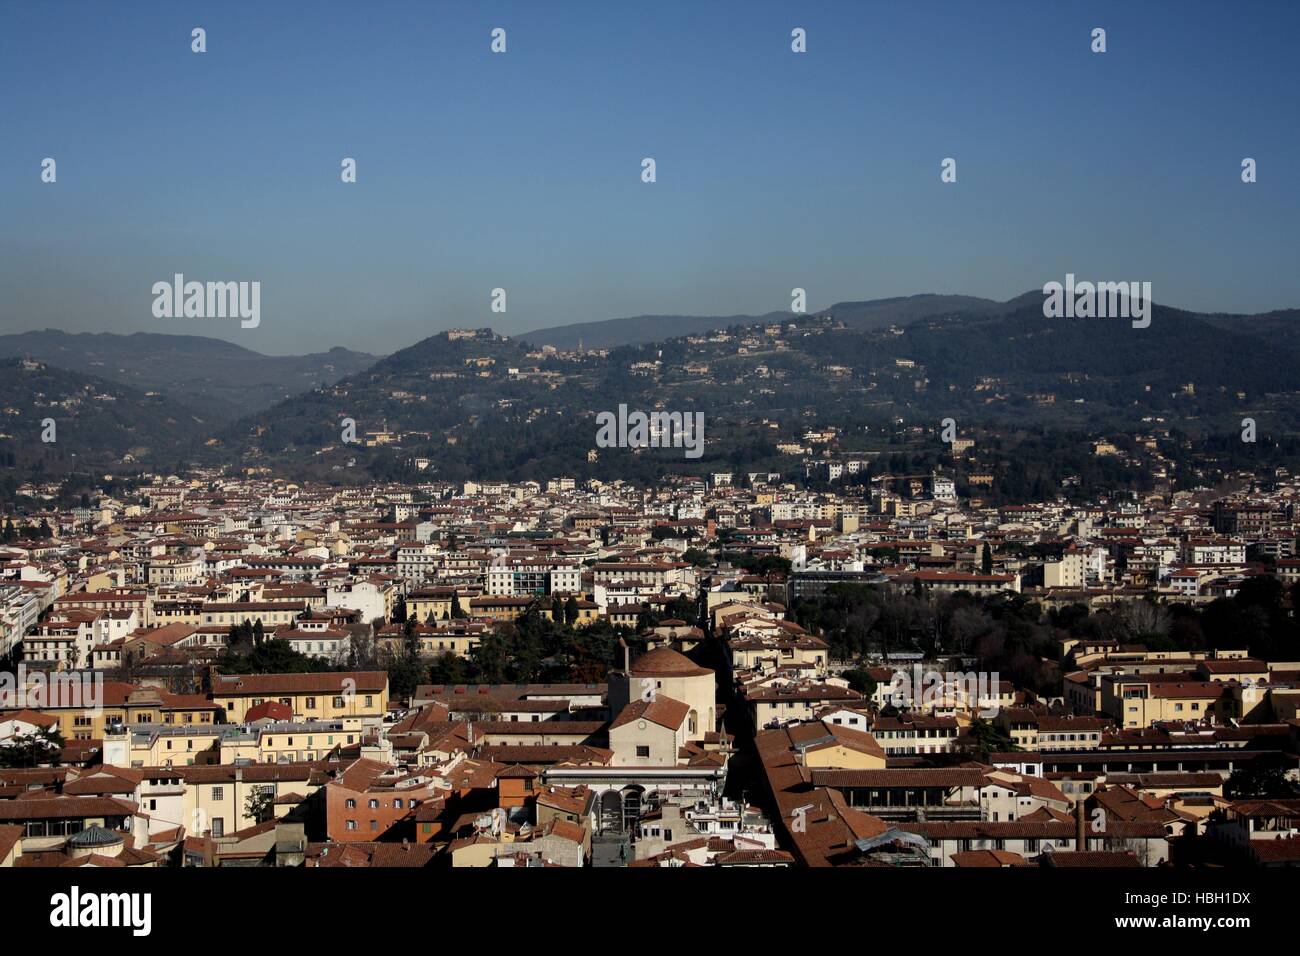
(490, 659)
(410, 640)
(983, 738)
(273, 656)
(448, 668)
(861, 681)
(697, 557)
(38, 749)
(1263, 778)
(259, 805)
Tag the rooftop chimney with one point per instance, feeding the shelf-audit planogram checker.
(1080, 837)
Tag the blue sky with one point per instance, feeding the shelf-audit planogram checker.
(522, 170)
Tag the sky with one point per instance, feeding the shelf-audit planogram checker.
(522, 170)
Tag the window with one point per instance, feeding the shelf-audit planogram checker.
(352, 824)
(310, 703)
(374, 804)
(351, 804)
(218, 826)
(642, 751)
(218, 793)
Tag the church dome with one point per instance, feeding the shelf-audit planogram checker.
(666, 662)
(95, 840)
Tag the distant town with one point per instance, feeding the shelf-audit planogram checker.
(217, 669)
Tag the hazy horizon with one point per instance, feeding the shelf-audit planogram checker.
(325, 347)
(775, 170)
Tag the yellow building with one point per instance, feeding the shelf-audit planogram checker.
(270, 613)
(822, 744)
(454, 637)
(216, 799)
(436, 601)
(1141, 701)
(588, 611)
(326, 696)
(87, 708)
(499, 607)
(161, 747)
(289, 743)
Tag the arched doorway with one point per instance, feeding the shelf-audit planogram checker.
(631, 807)
(611, 812)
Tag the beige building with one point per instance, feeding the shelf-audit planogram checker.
(649, 733)
(1140, 701)
(325, 696)
(664, 672)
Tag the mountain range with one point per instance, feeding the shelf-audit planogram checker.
(225, 380)
(884, 372)
(643, 329)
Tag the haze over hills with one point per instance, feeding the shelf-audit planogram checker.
(55, 421)
(490, 406)
(641, 329)
(225, 380)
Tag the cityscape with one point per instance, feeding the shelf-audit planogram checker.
(514, 456)
(219, 670)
